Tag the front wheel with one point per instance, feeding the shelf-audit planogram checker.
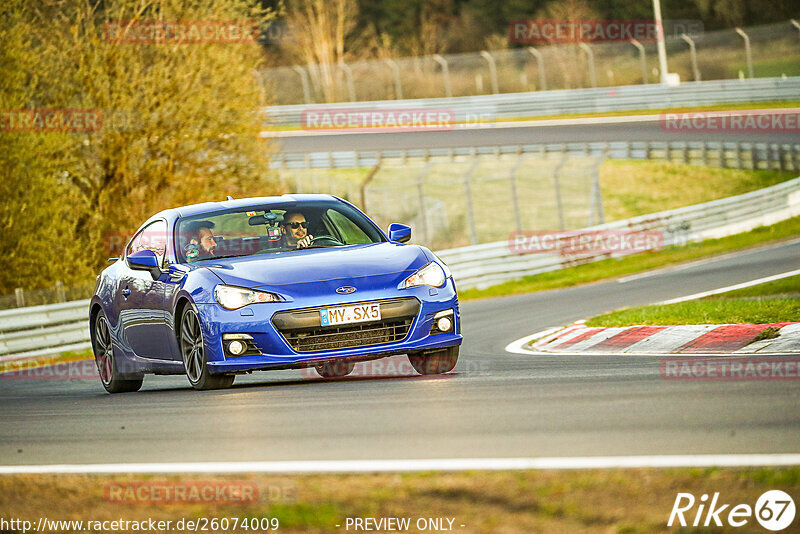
(435, 362)
(194, 355)
(107, 364)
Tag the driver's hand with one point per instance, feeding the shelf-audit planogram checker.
(306, 241)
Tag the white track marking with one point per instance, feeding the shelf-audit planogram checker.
(733, 287)
(443, 464)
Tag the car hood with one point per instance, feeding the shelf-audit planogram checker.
(314, 265)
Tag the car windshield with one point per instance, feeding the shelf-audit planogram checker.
(270, 229)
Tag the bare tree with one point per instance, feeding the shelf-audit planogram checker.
(568, 58)
(322, 29)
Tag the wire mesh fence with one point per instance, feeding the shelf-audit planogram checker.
(22, 297)
(467, 200)
(718, 55)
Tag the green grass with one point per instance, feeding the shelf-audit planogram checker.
(772, 302)
(611, 268)
(632, 188)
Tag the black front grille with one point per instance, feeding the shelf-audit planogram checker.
(304, 333)
(343, 337)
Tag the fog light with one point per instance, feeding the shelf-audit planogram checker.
(444, 324)
(236, 347)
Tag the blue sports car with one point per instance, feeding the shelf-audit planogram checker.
(217, 289)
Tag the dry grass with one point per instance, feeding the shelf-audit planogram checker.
(632, 500)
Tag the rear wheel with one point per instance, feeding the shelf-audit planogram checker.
(335, 369)
(107, 365)
(435, 362)
(194, 355)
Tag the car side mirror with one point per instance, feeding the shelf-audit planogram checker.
(145, 260)
(399, 232)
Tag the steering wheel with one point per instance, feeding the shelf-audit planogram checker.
(325, 241)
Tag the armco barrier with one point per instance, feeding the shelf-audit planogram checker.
(481, 266)
(567, 101)
(41, 330)
(738, 155)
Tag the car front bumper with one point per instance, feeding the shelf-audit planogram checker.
(258, 321)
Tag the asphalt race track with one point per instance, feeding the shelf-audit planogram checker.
(496, 404)
(636, 130)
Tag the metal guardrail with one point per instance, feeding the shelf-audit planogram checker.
(42, 330)
(567, 101)
(723, 154)
(55, 328)
(481, 266)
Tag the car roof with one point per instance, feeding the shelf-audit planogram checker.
(205, 207)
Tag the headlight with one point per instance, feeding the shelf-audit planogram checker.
(447, 273)
(430, 275)
(233, 298)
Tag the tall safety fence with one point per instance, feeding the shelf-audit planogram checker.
(455, 200)
(763, 51)
(467, 196)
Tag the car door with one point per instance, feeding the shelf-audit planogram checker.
(144, 309)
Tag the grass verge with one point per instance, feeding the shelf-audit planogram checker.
(771, 302)
(71, 356)
(616, 501)
(615, 267)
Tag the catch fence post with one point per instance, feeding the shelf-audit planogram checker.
(448, 90)
(540, 65)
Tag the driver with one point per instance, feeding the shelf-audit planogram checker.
(202, 243)
(295, 230)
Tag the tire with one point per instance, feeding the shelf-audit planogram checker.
(107, 365)
(335, 369)
(193, 353)
(435, 362)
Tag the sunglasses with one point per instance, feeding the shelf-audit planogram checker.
(296, 225)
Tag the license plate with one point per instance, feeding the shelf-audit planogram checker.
(358, 313)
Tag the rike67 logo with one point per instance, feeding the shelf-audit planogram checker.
(774, 510)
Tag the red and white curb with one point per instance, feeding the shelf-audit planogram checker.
(647, 340)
